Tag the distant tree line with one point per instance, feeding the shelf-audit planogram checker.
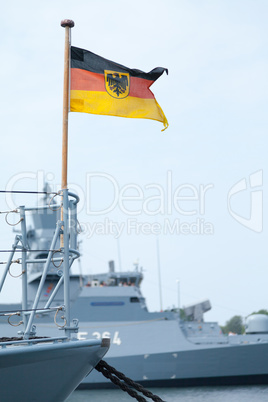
(235, 324)
(261, 312)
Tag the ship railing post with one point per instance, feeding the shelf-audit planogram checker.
(57, 287)
(9, 262)
(24, 266)
(42, 280)
(73, 224)
(66, 267)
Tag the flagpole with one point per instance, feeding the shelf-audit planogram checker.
(67, 25)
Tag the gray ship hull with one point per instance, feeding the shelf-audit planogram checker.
(46, 369)
(189, 369)
(164, 364)
(157, 353)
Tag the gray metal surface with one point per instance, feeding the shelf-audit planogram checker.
(45, 371)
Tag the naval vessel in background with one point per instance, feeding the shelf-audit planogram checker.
(152, 348)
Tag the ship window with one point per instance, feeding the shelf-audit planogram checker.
(123, 282)
(133, 280)
(134, 300)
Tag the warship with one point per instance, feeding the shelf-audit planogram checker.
(152, 348)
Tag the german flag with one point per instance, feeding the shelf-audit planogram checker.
(100, 86)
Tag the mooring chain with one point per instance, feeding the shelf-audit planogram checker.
(115, 376)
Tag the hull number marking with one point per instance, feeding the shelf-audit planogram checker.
(115, 339)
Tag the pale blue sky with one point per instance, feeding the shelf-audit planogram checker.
(215, 98)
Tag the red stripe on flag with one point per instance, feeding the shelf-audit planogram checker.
(82, 80)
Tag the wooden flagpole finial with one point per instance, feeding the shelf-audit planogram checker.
(67, 23)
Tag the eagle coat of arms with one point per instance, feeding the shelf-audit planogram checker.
(117, 84)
